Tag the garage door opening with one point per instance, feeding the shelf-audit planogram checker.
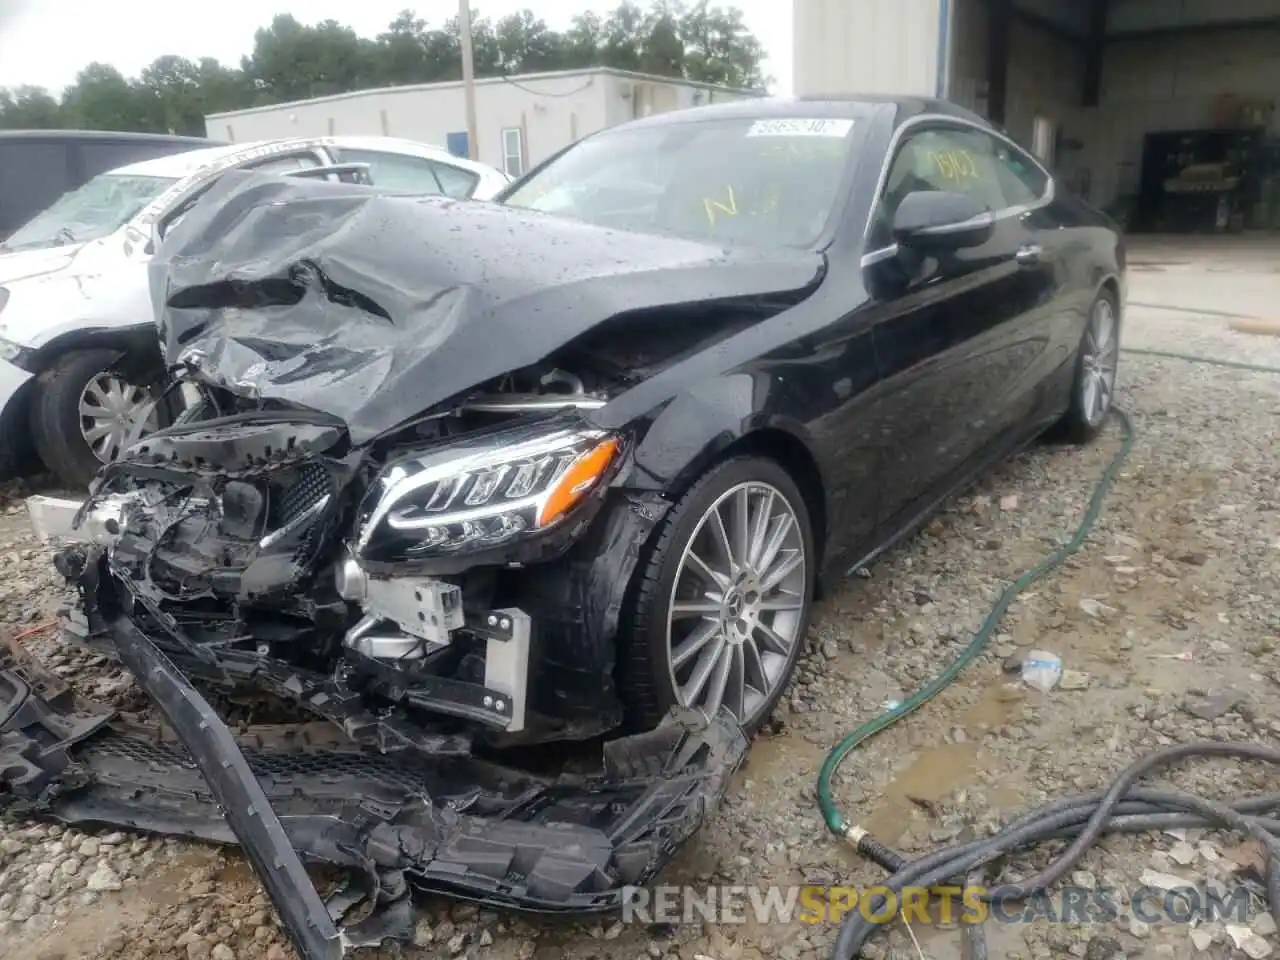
(1162, 112)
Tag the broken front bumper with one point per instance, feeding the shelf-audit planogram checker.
(459, 825)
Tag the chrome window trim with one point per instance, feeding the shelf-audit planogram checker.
(941, 119)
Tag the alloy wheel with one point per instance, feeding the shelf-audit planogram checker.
(1098, 359)
(738, 603)
(115, 413)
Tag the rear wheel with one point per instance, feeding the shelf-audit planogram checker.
(1094, 386)
(85, 411)
(723, 604)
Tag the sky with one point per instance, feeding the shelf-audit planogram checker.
(46, 42)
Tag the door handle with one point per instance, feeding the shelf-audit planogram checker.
(1028, 256)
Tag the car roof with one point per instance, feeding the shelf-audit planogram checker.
(194, 167)
(181, 165)
(853, 106)
(411, 148)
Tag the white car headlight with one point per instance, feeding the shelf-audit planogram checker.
(483, 493)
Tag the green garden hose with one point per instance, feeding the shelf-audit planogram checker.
(858, 836)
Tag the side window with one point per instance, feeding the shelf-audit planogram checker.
(291, 161)
(959, 160)
(1022, 180)
(397, 170)
(454, 181)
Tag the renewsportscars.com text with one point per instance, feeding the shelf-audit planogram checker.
(937, 905)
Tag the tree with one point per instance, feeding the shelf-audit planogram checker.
(30, 108)
(719, 48)
(622, 37)
(661, 48)
(404, 55)
(583, 41)
(291, 60)
(171, 92)
(102, 99)
(525, 45)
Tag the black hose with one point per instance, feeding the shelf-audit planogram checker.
(1139, 812)
(1121, 808)
(973, 936)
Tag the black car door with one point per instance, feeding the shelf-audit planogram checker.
(950, 330)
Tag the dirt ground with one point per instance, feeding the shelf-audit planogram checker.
(1166, 623)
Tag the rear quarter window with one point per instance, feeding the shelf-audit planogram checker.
(454, 181)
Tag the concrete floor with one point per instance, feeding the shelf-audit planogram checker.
(1230, 274)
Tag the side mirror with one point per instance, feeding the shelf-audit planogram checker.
(937, 221)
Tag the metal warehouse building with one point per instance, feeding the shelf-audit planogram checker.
(1163, 110)
(519, 120)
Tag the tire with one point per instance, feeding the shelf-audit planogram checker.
(1084, 420)
(647, 680)
(18, 457)
(56, 422)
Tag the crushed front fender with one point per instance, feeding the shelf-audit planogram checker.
(469, 827)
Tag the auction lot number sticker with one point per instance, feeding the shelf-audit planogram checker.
(800, 128)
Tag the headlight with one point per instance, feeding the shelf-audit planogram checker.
(483, 493)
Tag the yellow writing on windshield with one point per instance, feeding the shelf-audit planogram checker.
(728, 209)
(955, 165)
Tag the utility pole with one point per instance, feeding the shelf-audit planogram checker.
(468, 75)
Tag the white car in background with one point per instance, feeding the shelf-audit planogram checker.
(79, 361)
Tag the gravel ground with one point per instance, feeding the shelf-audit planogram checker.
(1165, 622)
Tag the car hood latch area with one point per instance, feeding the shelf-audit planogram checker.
(567, 843)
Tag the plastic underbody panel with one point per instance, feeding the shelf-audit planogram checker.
(459, 824)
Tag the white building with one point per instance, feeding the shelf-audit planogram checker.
(1102, 73)
(520, 120)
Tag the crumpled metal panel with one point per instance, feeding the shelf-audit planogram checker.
(375, 307)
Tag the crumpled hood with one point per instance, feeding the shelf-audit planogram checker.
(21, 264)
(374, 307)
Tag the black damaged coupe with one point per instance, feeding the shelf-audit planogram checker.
(569, 467)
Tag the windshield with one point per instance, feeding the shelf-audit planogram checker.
(756, 182)
(95, 210)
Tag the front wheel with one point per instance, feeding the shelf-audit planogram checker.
(723, 604)
(85, 412)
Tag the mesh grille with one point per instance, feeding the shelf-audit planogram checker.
(311, 484)
(394, 773)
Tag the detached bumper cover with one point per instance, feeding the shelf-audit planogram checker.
(462, 826)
